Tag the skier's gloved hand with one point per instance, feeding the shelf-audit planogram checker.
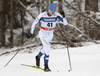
(62, 13)
(29, 35)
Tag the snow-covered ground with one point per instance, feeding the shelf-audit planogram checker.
(85, 62)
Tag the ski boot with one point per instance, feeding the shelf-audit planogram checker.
(37, 60)
(46, 69)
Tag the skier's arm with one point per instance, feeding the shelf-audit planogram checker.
(36, 21)
(62, 18)
(65, 21)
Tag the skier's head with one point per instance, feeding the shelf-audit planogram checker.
(52, 8)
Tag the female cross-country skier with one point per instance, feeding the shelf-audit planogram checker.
(48, 21)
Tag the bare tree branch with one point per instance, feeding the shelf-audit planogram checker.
(83, 14)
(26, 8)
(75, 28)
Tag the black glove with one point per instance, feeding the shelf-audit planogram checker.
(29, 35)
(62, 13)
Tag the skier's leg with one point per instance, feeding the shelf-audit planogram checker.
(46, 56)
(44, 37)
(39, 56)
(46, 41)
(42, 51)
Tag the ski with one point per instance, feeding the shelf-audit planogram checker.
(36, 67)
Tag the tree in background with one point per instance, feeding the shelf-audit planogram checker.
(73, 16)
(2, 23)
(11, 23)
(12, 16)
(91, 6)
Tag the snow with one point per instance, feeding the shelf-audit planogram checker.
(85, 62)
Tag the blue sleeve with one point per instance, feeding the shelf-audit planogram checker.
(60, 18)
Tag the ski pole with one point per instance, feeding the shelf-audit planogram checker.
(68, 51)
(16, 53)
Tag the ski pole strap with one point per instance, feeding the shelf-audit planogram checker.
(47, 29)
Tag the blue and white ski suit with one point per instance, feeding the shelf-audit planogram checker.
(48, 24)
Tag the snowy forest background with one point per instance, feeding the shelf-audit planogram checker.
(16, 17)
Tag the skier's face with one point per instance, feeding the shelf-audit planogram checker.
(51, 12)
